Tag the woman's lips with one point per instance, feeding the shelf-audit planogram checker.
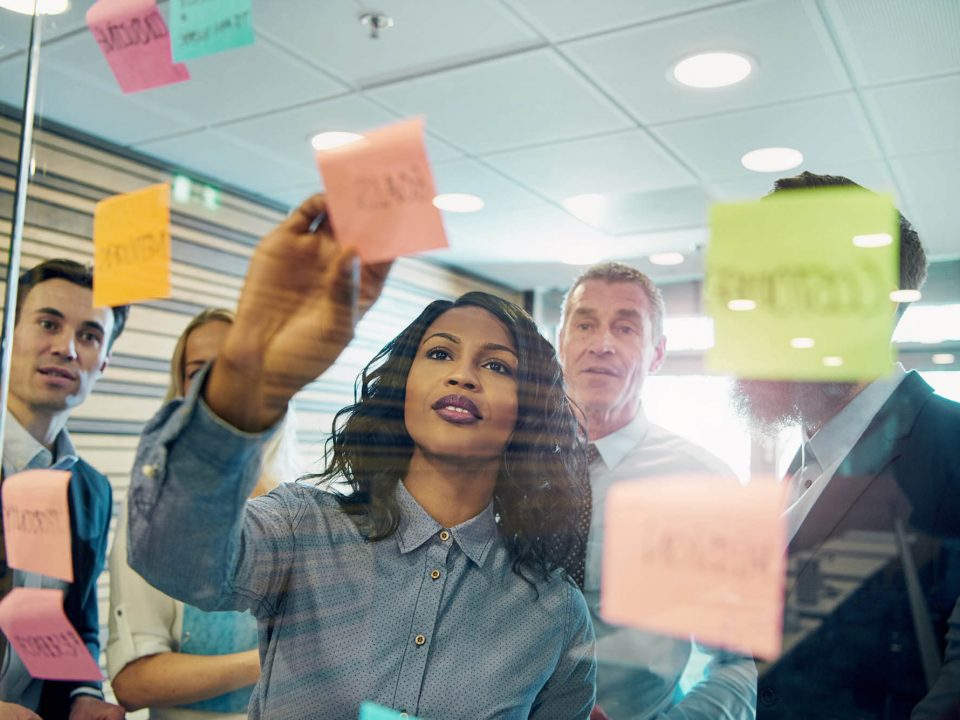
(457, 409)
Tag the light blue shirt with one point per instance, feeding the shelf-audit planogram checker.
(430, 621)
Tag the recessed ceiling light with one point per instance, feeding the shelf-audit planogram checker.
(873, 240)
(712, 70)
(905, 296)
(943, 358)
(330, 140)
(802, 343)
(772, 159)
(832, 360)
(742, 305)
(667, 258)
(589, 207)
(458, 202)
(44, 7)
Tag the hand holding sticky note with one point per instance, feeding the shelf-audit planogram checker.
(689, 556)
(136, 43)
(36, 523)
(380, 192)
(36, 627)
(131, 247)
(798, 285)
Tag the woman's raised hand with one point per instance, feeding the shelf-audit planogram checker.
(301, 300)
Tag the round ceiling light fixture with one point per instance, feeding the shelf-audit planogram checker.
(712, 69)
(458, 202)
(43, 7)
(666, 258)
(772, 159)
(331, 140)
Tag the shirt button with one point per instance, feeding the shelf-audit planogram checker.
(807, 484)
(434, 574)
(444, 535)
(148, 471)
(419, 640)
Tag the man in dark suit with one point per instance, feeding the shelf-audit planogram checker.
(61, 346)
(874, 527)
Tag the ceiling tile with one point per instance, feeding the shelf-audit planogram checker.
(793, 53)
(15, 27)
(659, 210)
(872, 175)
(469, 176)
(502, 104)
(930, 184)
(618, 162)
(906, 131)
(889, 40)
(713, 146)
(427, 34)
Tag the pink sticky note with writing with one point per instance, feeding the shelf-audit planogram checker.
(380, 193)
(688, 555)
(34, 623)
(134, 39)
(36, 522)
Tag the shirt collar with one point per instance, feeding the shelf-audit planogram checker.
(474, 537)
(615, 446)
(833, 442)
(22, 451)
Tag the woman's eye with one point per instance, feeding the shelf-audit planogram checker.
(438, 354)
(499, 367)
(48, 324)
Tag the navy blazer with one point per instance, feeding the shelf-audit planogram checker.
(91, 507)
(863, 660)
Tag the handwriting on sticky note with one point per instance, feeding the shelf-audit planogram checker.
(688, 555)
(798, 285)
(380, 193)
(131, 247)
(372, 711)
(135, 41)
(35, 625)
(206, 27)
(36, 522)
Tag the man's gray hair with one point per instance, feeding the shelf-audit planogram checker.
(614, 272)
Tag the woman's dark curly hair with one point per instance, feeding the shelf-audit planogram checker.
(543, 474)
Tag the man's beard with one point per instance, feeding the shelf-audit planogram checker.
(772, 405)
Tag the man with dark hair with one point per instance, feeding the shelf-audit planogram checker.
(878, 470)
(611, 337)
(61, 346)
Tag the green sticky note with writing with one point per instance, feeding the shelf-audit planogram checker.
(372, 711)
(206, 27)
(798, 285)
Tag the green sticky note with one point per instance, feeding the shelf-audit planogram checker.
(372, 711)
(206, 27)
(798, 285)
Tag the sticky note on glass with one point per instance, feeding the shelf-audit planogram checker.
(690, 556)
(131, 247)
(34, 623)
(798, 285)
(380, 193)
(36, 523)
(207, 27)
(134, 39)
(372, 711)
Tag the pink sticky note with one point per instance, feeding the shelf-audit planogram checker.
(380, 193)
(36, 522)
(688, 555)
(34, 623)
(134, 39)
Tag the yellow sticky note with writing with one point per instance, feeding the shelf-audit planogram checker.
(798, 285)
(131, 247)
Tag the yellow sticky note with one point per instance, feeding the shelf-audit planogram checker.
(131, 247)
(798, 285)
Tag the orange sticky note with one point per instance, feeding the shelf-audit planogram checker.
(686, 555)
(380, 193)
(34, 623)
(136, 43)
(36, 522)
(131, 247)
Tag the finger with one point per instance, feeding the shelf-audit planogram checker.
(300, 220)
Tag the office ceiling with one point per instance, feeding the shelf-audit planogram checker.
(529, 102)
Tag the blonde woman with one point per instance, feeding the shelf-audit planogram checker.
(178, 661)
